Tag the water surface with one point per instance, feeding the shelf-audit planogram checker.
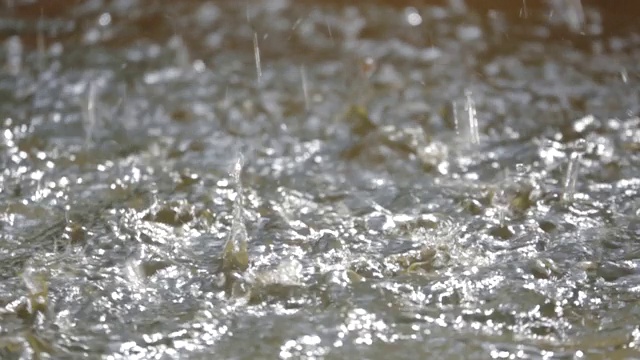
(309, 180)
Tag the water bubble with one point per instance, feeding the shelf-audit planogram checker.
(522, 169)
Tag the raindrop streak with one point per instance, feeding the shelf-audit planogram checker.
(90, 113)
(256, 51)
(524, 12)
(40, 41)
(573, 169)
(329, 29)
(303, 75)
(466, 119)
(624, 76)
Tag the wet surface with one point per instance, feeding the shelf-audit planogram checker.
(319, 180)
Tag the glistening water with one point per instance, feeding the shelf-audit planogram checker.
(319, 180)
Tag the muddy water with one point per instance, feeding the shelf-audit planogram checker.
(307, 180)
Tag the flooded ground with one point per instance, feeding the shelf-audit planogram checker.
(307, 180)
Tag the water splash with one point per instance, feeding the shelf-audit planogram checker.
(513, 193)
(37, 299)
(573, 169)
(235, 255)
(466, 119)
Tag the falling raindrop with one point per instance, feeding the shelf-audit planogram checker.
(256, 52)
(413, 18)
(305, 92)
(329, 29)
(90, 113)
(624, 76)
(40, 42)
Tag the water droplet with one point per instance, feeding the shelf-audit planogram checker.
(256, 53)
(199, 66)
(104, 19)
(90, 113)
(303, 76)
(413, 18)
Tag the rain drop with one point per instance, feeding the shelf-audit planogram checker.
(413, 18)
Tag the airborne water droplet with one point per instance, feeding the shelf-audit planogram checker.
(90, 113)
(256, 52)
(305, 92)
(413, 17)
